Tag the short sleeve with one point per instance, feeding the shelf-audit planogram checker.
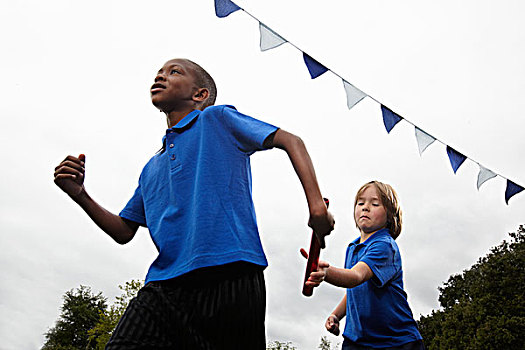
(380, 257)
(249, 133)
(134, 210)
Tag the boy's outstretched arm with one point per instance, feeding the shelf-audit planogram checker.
(345, 278)
(321, 220)
(69, 176)
(348, 278)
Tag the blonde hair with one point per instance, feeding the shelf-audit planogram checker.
(394, 217)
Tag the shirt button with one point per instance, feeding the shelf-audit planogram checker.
(173, 157)
(171, 145)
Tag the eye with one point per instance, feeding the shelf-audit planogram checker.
(173, 71)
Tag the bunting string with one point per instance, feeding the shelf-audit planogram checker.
(269, 39)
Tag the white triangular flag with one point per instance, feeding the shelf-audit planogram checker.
(353, 94)
(423, 140)
(269, 38)
(484, 175)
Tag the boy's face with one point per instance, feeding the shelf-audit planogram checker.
(174, 86)
(369, 211)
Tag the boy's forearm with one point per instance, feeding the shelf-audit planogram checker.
(118, 229)
(348, 278)
(304, 168)
(340, 309)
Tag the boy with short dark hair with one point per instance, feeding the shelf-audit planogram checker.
(206, 288)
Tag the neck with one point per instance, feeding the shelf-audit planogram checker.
(173, 117)
(366, 235)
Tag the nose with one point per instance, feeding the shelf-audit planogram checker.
(160, 77)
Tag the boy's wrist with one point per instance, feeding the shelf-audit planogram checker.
(318, 207)
(80, 197)
(327, 276)
(334, 315)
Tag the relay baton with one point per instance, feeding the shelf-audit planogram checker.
(313, 259)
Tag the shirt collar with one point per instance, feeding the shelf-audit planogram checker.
(184, 122)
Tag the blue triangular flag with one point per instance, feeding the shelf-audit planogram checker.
(224, 7)
(315, 68)
(511, 190)
(390, 119)
(456, 158)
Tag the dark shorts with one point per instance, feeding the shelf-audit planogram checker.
(213, 308)
(415, 345)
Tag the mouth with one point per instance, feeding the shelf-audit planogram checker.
(364, 217)
(157, 87)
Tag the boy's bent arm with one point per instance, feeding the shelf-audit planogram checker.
(121, 230)
(348, 278)
(69, 176)
(321, 219)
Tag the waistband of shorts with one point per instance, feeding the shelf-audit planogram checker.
(213, 274)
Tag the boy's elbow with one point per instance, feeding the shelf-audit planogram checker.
(123, 239)
(287, 141)
(125, 231)
(123, 235)
(297, 141)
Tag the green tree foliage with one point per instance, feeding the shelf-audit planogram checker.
(87, 322)
(484, 307)
(99, 335)
(325, 344)
(277, 345)
(80, 312)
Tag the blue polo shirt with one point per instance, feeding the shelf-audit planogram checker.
(196, 196)
(377, 311)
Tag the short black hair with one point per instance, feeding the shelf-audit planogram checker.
(204, 79)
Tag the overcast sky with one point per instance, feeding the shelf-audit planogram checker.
(76, 78)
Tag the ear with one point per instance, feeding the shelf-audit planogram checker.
(201, 95)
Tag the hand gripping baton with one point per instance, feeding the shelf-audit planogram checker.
(313, 259)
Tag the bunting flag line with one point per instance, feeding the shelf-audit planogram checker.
(269, 39)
